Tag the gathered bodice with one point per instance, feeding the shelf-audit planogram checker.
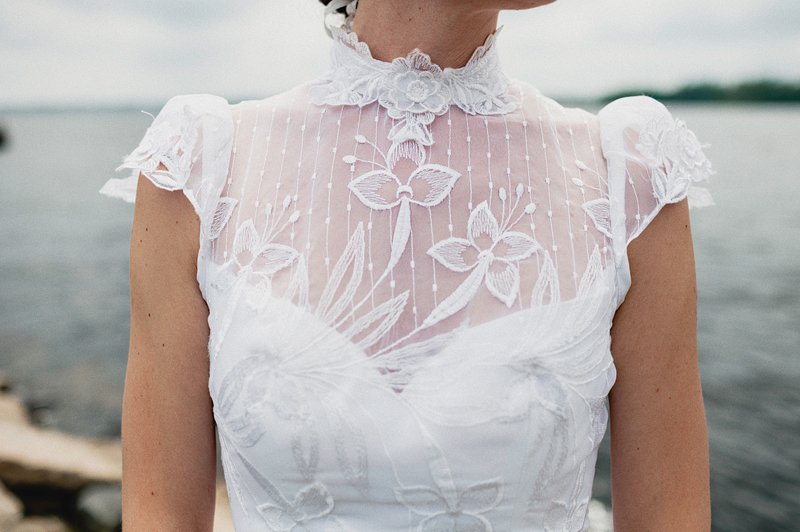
(411, 274)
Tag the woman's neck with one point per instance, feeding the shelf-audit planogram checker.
(448, 31)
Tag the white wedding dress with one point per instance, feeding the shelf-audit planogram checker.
(411, 274)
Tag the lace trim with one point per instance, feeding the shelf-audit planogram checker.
(413, 88)
(677, 161)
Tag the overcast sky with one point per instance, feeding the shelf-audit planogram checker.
(109, 52)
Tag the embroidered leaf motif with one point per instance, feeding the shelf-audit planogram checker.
(298, 285)
(246, 239)
(504, 285)
(350, 446)
(482, 496)
(313, 501)
(422, 500)
(275, 257)
(305, 448)
(402, 230)
(450, 252)
(520, 246)
(592, 275)
(221, 216)
(599, 210)
(371, 188)
(459, 298)
(353, 255)
(546, 284)
(440, 180)
(482, 222)
(387, 312)
(413, 150)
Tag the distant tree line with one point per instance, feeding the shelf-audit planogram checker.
(764, 90)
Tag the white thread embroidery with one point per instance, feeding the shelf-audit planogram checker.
(443, 510)
(503, 285)
(677, 161)
(413, 89)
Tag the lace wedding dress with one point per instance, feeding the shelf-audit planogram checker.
(411, 274)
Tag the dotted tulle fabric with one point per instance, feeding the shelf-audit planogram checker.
(411, 273)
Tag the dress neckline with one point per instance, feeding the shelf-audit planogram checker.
(413, 86)
(417, 57)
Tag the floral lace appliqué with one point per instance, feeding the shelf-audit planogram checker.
(676, 160)
(413, 89)
(382, 189)
(515, 245)
(463, 510)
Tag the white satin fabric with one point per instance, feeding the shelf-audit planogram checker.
(411, 274)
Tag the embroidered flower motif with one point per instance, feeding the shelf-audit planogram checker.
(311, 503)
(677, 160)
(413, 89)
(382, 189)
(169, 143)
(310, 509)
(462, 511)
(415, 94)
(503, 248)
(262, 380)
(258, 254)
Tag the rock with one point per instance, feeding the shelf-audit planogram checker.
(40, 524)
(600, 517)
(36, 456)
(12, 409)
(5, 384)
(101, 506)
(10, 509)
(223, 521)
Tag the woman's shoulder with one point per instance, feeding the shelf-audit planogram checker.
(622, 111)
(188, 107)
(295, 95)
(635, 111)
(188, 128)
(549, 111)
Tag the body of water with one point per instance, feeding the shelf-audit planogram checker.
(64, 305)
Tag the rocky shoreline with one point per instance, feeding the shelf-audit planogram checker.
(51, 481)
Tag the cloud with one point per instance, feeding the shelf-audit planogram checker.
(134, 51)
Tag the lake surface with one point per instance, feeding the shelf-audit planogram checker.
(64, 291)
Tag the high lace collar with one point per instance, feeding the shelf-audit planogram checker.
(413, 87)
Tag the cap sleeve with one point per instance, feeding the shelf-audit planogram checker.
(653, 159)
(187, 147)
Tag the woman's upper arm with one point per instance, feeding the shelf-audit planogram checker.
(168, 440)
(659, 449)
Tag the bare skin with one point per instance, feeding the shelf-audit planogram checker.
(447, 30)
(168, 443)
(660, 469)
(659, 442)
